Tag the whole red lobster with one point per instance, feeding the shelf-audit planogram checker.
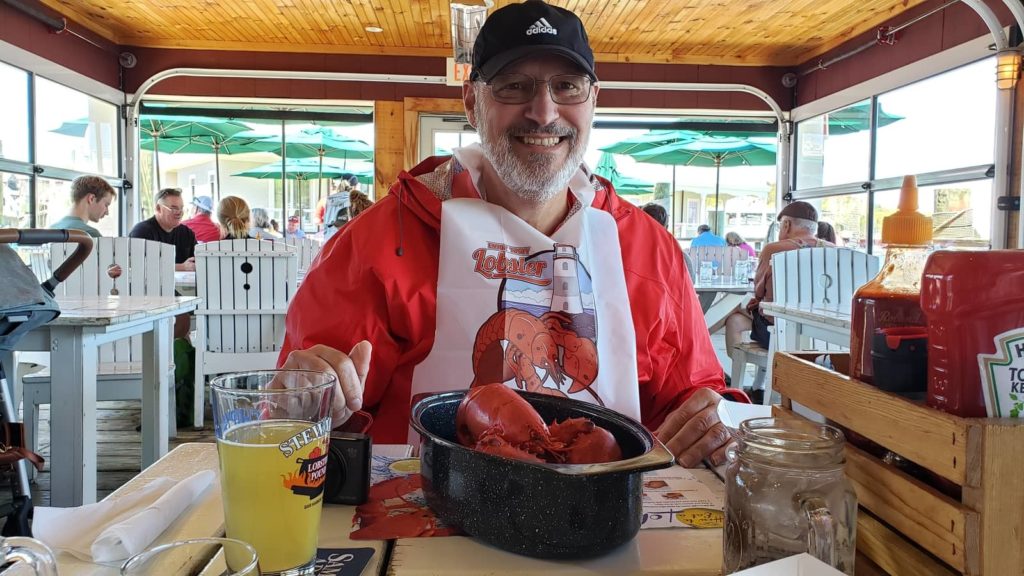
(495, 419)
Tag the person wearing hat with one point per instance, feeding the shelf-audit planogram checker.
(201, 223)
(511, 262)
(293, 228)
(798, 228)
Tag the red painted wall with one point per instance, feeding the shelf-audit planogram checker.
(943, 30)
(65, 49)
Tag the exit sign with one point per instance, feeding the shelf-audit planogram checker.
(458, 72)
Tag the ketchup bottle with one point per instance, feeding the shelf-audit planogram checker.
(892, 298)
(975, 306)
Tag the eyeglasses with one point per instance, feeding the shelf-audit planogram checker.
(174, 209)
(521, 88)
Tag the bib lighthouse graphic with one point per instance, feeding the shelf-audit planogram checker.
(543, 337)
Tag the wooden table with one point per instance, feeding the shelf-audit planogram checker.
(73, 340)
(678, 551)
(206, 516)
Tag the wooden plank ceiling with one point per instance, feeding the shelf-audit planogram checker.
(728, 32)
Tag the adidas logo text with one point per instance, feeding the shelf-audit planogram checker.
(541, 27)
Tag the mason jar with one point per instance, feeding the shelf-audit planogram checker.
(786, 493)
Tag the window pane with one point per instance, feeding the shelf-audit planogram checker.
(947, 121)
(14, 208)
(14, 103)
(963, 210)
(53, 202)
(75, 130)
(848, 214)
(834, 148)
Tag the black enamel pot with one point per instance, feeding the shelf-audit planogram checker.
(544, 510)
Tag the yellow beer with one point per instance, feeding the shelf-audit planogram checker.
(272, 475)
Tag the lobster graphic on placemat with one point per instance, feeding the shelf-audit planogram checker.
(549, 344)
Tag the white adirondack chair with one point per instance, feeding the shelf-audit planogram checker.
(816, 276)
(819, 276)
(306, 250)
(147, 270)
(245, 287)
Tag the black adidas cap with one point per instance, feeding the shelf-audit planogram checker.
(533, 27)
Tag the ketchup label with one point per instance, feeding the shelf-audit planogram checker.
(1002, 375)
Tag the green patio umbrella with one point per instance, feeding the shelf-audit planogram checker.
(710, 151)
(857, 117)
(651, 139)
(319, 143)
(200, 144)
(624, 185)
(156, 127)
(308, 169)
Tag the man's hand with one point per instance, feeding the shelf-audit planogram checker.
(350, 369)
(186, 266)
(693, 431)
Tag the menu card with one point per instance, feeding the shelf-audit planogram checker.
(675, 498)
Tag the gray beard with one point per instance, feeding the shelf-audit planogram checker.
(538, 179)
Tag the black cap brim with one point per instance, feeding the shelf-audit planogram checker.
(499, 61)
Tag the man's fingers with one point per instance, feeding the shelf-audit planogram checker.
(675, 421)
(360, 356)
(714, 439)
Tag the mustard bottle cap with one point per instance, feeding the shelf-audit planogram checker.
(907, 226)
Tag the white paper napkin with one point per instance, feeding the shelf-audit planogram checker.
(113, 530)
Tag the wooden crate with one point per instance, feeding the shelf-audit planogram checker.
(906, 526)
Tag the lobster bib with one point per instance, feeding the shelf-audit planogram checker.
(542, 313)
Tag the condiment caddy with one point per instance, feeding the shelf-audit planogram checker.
(906, 525)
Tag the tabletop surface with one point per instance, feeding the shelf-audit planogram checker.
(723, 285)
(107, 310)
(832, 315)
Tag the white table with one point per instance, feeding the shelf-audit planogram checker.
(829, 323)
(679, 551)
(795, 324)
(73, 340)
(732, 292)
(206, 516)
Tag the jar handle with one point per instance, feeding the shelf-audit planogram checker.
(821, 536)
(28, 551)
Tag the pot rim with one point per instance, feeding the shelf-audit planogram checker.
(657, 455)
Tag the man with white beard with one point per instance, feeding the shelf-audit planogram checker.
(511, 262)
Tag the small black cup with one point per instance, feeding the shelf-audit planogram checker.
(900, 360)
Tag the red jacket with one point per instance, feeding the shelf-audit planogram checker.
(377, 280)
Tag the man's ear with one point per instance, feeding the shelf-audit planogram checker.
(469, 101)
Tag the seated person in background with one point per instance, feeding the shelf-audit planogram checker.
(734, 239)
(705, 237)
(233, 217)
(293, 228)
(404, 276)
(205, 229)
(165, 226)
(798, 223)
(260, 228)
(826, 232)
(90, 202)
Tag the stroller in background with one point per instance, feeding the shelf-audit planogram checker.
(25, 305)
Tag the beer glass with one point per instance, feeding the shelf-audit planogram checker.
(272, 431)
(221, 556)
(18, 552)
